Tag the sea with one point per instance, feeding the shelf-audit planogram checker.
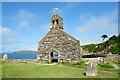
(13, 56)
(26, 55)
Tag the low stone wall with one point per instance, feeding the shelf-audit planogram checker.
(90, 59)
(113, 56)
(99, 60)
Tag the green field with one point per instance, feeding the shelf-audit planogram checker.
(0, 68)
(29, 70)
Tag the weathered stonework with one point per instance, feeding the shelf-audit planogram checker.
(68, 48)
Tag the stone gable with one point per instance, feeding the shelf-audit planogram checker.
(68, 48)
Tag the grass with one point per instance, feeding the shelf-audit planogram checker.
(80, 64)
(115, 61)
(28, 70)
(106, 65)
(0, 68)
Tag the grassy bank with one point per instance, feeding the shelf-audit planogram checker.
(29, 70)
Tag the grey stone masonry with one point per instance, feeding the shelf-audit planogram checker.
(68, 48)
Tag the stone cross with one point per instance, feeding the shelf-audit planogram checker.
(56, 10)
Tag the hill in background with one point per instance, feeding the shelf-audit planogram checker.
(112, 45)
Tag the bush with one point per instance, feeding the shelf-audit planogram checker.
(66, 63)
(119, 62)
(106, 65)
(46, 62)
(116, 61)
(80, 64)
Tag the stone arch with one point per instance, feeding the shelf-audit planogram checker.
(54, 56)
(51, 50)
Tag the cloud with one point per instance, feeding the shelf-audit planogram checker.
(90, 40)
(7, 36)
(17, 36)
(23, 18)
(11, 42)
(68, 7)
(5, 31)
(103, 24)
(45, 27)
(93, 26)
(24, 15)
(23, 24)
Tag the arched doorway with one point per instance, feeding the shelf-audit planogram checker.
(54, 56)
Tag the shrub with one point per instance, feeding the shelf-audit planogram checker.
(66, 63)
(80, 64)
(116, 61)
(46, 62)
(119, 62)
(106, 65)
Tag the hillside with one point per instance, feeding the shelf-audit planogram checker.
(112, 45)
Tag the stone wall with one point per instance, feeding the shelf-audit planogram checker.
(68, 48)
(113, 56)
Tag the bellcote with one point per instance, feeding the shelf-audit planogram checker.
(56, 22)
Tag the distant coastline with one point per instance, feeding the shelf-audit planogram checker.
(21, 55)
(28, 52)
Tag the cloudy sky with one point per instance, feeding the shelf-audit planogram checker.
(25, 24)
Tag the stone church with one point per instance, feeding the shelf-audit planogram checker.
(57, 45)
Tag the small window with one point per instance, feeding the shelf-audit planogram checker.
(57, 21)
(53, 21)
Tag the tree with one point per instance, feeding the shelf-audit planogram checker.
(114, 37)
(118, 43)
(105, 46)
(104, 36)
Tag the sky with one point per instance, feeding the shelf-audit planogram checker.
(60, 0)
(24, 24)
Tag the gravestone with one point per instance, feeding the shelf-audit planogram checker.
(5, 57)
(100, 60)
(91, 68)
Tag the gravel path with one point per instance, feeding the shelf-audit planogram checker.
(115, 66)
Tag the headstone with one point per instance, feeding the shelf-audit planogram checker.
(5, 57)
(101, 60)
(91, 68)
